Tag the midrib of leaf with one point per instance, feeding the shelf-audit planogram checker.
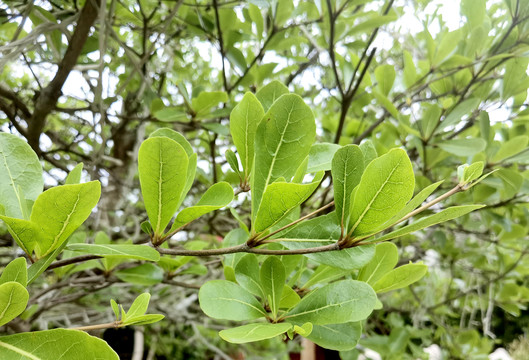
(19, 242)
(273, 290)
(343, 199)
(374, 198)
(242, 302)
(11, 178)
(8, 303)
(376, 268)
(321, 308)
(65, 224)
(246, 156)
(19, 351)
(159, 189)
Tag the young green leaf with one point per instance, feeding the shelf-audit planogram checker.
(339, 337)
(115, 308)
(473, 172)
(126, 251)
(386, 186)
(232, 160)
(385, 259)
(268, 94)
(143, 319)
(335, 303)
(15, 271)
(60, 210)
(162, 166)
(400, 277)
(139, 306)
(369, 151)
(205, 101)
(13, 301)
(247, 275)
(26, 233)
(222, 299)
(55, 344)
(244, 119)
(347, 169)
(144, 274)
(282, 142)
(19, 167)
(74, 176)
(254, 332)
(216, 197)
(289, 298)
(273, 278)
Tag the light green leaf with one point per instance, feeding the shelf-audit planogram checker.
(231, 158)
(447, 47)
(400, 277)
(339, 337)
(386, 103)
(442, 216)
(13, 301)
(385, 76)
(410, 72)
(115, 308)
(268, 94)
(473, 172)
(463, 147)
(280, 198)
(144, 274)
(369, 25)
(511, 148)
(369, 151)
(247, 274)
(289, 298)
(162, 166)
(143, 319)
(126, 251)
(19, 166)
(282, 142)
(320, 157)
(244, 119)
(60, 210)
(323, 230)
(41, 265)
(205, 101)
(324, 274)
(347, 169)
(303, 330)
(254, 332)
(385, 259)
(15, 271)
(335, 303)
(26, 233)
(74, 176)
(139, 306)
(273, 278)
(55, 344)
(222, 299)
(216, 197)
(455, 115)
(171, 114)
(386, 186)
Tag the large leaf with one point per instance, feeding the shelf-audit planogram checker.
(162, 166)
(254, 332)
(385, 259)
(336, 303)
(216, 197)
(282, 142)
(386, 186)
(20, 175)
(59, 211)
(58, 344)
(347, 169)
(126, 251)
(244, 119)
(13, 301)
(279, 199)
(41, 265)
(247, 274)
(15, 271)
(222, 299)
(268, 94)
(400, 277)
(273, 278)
(339, 337)
(324, 230)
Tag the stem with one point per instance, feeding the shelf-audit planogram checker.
(244, 248)
(114, 324)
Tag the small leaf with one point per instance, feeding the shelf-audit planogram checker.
(222, 299)
(464, 108)
(289, 298)
(303, 330)
(74, 176)
(145, 274)
(26, 233)
(171, 114)
(273, 278)
(233, 161)
(15, 271)
(400, 277)
(115, 308)
(13, 301)
(247, 275)
(385, 259)
(139, 306)
(143, 319)
(254, 332)
(268, 94)
(126, 251)
(473, 172)
(146, 227)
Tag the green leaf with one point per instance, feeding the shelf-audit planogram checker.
(191, 154)
(386, 103)
(222, 299)
(171, 114)
(145, 274)
(19, 167)
(244, 119)
(324, 274)
(205, 101)
(41, 265)
(400, 277)
(347, 169)
(254, 332)
(385, 76)
(303, 330)
(463, 147)
(162, 166)
(237, 58)
(13, 301)
(115, 308)
(511, 148)
(335, 303)
(369, 151)
(55, 344)
(74, 176)
(282, 142)
(473, 172)
(280, 198)
(139, 306)
(15, 271)
(26, 233)
(143, 319)
(231, 158)
(60, 210)
(455, 115)
(442, 216)
(339, 337)
(385, 259)
(447, 47)
(268, 94)
(273, 278)
(372, 23)
(289, 298)
(320, 157)
(410, 72)
(247, 275)
(216, 197)
(386, 186)
(138, 252)
(323, 230)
